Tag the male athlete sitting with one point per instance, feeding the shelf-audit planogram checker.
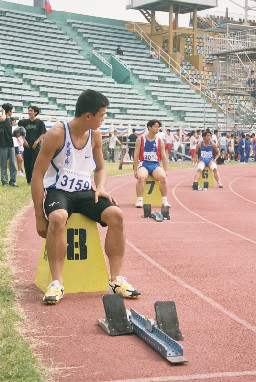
(150, 150)
(70, 153)
(206, 158)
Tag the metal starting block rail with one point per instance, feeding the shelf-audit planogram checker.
(120, 321)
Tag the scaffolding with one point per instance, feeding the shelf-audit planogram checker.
(231, 50)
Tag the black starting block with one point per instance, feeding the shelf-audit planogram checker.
(199, 188)
(206, 185)
(120, 321)
(147, 210)
(165, 212)
(159, 217)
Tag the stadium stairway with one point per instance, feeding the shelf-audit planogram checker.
(150, 76)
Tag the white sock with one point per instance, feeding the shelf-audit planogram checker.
(164, 199)
(140, 199)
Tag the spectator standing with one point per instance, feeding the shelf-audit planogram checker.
(178, 143)
(253, 142)
(35, 132)
(169, 142)
(236, 148)
(7, 151)
(18, 155)
(193, 143)
(223, 143)
(112, 145)
(199, 135)
(241, 147)
(132, 139)
(247, 148)
(215, 140)
(231, 146)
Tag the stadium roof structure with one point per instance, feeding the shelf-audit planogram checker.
(230, 28)
(179, 6)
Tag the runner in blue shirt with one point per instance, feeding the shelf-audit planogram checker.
(206, 158)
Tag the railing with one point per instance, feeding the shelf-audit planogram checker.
(133, 27)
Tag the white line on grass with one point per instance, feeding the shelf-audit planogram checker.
(197, 292)
(193, 377)
(236, 193)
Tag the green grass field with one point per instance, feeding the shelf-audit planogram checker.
(17, 362)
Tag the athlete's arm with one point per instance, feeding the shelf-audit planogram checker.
(217, 151)
(163, 157)
(136, 156)
(198, 147)
(100, 177)
(52, 144)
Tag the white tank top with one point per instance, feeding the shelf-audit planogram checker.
(71, 169)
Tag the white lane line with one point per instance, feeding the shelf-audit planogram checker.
(197, 292)
(151, 221)
(236, 193)
(193, 377)
(206, 220)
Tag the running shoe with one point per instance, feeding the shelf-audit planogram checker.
(166, 204)
(55, 292)
(121, 286)
(139, 204)
(220, 185)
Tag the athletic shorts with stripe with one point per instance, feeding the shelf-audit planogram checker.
(82, 202)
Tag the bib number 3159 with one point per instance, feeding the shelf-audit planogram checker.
(70, 180)
(74, 184)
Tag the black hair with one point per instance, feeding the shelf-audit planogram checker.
(7, 107)
(152, 122)
(242, 135)
(35, 108)
(205, 133)
(133, 130)
(90, 101)
(215, 131)
(198, 131)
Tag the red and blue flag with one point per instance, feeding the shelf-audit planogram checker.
(48, 6)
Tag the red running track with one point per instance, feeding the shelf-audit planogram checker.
(203, 259)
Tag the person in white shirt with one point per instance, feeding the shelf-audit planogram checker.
(178, 143)
(223, 143)
(161, 135)
(169, 142)
(199, 135)
(193, 142)
(112, 144)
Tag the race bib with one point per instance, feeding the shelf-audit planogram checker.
(70, 180)
(206, 154)
(151, 157)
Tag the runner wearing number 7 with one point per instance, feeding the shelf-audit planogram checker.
(70, 153)
(150, 150)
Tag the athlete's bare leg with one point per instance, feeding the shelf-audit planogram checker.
(115, 239)
(160, 175)
(142, 174)
(56, 244)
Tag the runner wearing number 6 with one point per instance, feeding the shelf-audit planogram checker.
(150, 150)
(70, 153)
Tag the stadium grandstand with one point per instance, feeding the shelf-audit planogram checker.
(184, 86)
